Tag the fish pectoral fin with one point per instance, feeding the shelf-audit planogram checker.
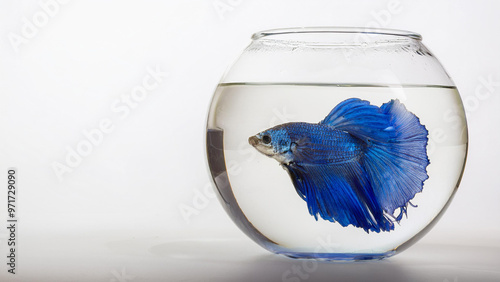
(339, 193)
(300, 149)
(310, 152)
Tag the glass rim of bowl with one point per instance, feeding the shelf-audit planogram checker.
(342, 35)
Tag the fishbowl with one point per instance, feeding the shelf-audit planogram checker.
(336, 143)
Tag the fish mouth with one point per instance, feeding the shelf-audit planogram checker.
(253, 140)
(257, 144)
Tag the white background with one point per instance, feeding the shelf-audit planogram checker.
(117, 216)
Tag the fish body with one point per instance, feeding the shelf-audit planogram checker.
(357, 166)
(320, 144)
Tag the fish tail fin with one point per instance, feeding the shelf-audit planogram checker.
(397, 165)
(395, 158)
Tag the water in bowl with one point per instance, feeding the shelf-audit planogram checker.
(260, 197)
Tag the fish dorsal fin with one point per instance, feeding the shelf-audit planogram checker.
(360, 119)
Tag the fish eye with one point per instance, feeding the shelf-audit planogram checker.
(266, 139)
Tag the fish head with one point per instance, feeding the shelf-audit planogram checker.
(274, 142)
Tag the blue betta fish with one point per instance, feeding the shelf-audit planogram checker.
(357, 166)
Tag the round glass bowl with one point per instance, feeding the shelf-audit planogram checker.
(336, 143)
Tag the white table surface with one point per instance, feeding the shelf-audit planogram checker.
(207, 256)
